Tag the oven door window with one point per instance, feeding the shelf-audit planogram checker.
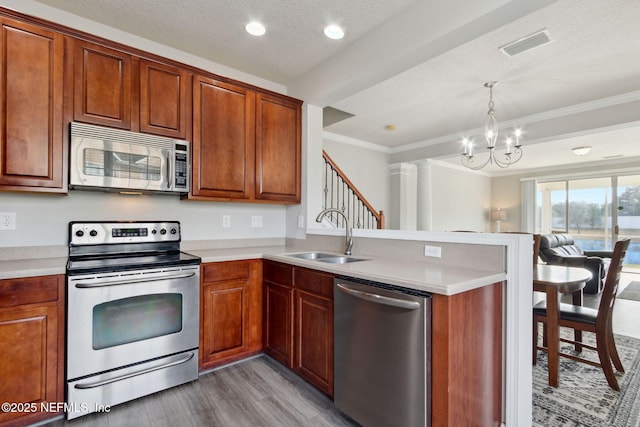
(137, 318)
(105, 163)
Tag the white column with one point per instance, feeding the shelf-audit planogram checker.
(403, 191)
(423, 192)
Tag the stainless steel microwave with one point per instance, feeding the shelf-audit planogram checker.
(118, 160)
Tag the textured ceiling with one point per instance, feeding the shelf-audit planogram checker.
(421, 64)
(294, 42)
(595, 54)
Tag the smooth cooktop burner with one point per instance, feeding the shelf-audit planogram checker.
(82, 265)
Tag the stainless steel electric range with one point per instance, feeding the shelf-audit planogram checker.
(132, 313)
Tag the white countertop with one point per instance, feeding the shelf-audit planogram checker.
(12, 269)
(430, 277)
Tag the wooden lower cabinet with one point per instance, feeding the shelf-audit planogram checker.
(278, 311)
(31, 347)
(298, 321)
(231, 311)
(313, 302)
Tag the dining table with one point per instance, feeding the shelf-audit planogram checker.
(554, 280)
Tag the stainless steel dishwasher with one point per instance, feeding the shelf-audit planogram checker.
(382, 354)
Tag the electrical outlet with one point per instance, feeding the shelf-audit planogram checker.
(256, 221)
(300, 221)
(433, 251)
(7, 220)
(226, 221)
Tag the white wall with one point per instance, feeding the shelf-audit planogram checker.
(43, 219)
(366, 168)
(460, 199)
(506, 195)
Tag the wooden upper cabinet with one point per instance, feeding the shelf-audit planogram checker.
(223, 136)
(102, 85)
(278, 149)
(165, 98)
(115, 89)
(246, 145)
(32, 149)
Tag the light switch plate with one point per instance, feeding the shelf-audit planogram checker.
(256, 221)
(226, 221)
(300, 221)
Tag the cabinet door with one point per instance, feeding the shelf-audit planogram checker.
(165, 101)
(226, 319)
(223, 135)
(314, 340)
(102, 86)
(278, 331)
(29, 356)
(231, 311)
(277, 149)
(31, 135)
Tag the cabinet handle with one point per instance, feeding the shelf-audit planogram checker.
(183, 359)
(380, 299)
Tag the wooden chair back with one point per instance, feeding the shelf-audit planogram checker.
(608, 298)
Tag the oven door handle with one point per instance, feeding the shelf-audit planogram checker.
(183, 359)
(102, 283)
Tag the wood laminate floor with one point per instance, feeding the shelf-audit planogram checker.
(254, 393)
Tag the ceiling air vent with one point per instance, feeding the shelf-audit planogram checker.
(524, 44)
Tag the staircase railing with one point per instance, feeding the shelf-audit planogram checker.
(340, 193)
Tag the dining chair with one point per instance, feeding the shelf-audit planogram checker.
(597, 321)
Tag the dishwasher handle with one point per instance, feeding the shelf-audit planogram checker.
(380, 299)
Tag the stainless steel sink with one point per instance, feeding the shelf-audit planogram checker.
(341, 259)
(313, 255)
(328, 258)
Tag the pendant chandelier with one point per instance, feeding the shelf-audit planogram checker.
(513, 148)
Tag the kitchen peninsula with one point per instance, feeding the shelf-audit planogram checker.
(474, 292)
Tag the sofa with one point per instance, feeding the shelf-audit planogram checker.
(560, 249)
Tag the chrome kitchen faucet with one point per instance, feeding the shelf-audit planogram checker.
(348, 233)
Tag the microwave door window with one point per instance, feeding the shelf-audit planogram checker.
(145, 167)
(121, 165)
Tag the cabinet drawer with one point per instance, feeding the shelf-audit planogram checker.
(14, 292)
(314, 282)
(276, 272)
(230, 270)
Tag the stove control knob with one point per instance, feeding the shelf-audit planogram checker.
(93, 233)
(154, 231)
(79, 233)
(174, 231)
(163, 231)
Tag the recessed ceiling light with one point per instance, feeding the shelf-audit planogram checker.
(333, 32)
(255, 28)
(581, 151)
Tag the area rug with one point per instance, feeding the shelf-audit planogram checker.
(583, 397)
(631, 291)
